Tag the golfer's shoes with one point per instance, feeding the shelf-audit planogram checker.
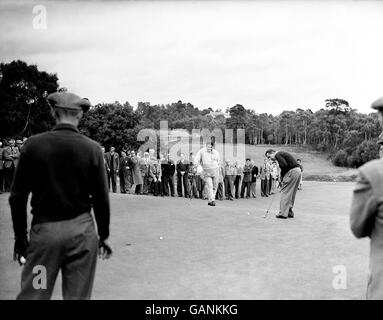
(211, 203)
(278, 216)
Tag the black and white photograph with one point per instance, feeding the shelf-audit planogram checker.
(187, 150)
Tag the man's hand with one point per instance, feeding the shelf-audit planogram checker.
(20, 250)
(104, 250)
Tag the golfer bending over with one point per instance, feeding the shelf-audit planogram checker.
(209, 158)
(291, 177)
(65, 173)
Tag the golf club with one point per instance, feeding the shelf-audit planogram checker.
(271, 203)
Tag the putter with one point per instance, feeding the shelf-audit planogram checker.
(271, 203)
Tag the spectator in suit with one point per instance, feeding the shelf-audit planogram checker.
(254, 175)
(246, 182)
(124, 173)
(113, 163)
(170, 176)
(155, 174)
(182, 176)
(230, 174)
(10, 156)
(238, 179)
(136, 172)
(105, 162)
(264, 175)
(164, 170)
(144, 165)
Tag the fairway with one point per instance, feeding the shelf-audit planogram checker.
(225, 252)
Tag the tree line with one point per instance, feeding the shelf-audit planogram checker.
(348, 136)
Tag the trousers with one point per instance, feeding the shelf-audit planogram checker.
(70, 246)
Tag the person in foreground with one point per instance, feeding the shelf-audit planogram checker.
(291, 177)
(366, 216)
(65, 172)
(209, 159)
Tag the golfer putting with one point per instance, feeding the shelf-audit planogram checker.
(291, 177)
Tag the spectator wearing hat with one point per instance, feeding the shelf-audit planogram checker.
(136, 172)
(124, 169)
(10, 156)
(113, 163)
(62, 235)
(366, 215)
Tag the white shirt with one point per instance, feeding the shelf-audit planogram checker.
(208, 160)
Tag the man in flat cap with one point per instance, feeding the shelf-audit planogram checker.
(366, 214)
(65, 173)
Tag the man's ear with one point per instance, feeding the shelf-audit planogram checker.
(79, 115)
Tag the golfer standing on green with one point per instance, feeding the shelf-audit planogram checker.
(366, 217)
(209, 159)
(291, 177)
(65, 172)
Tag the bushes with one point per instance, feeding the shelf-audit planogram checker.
(340, 158)
(364, 152)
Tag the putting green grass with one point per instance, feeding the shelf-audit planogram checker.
(223, 252)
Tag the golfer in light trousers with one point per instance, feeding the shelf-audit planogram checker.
(208, 158)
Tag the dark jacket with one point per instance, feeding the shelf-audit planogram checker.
(65, 173)
(247, 172)
(286, 162)
(182, 167)
(254, 173)
(112, 161)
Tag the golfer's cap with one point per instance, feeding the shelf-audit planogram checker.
(19, 142)
(377, 104)
(67, 100)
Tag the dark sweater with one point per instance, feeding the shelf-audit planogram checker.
(286, 162)
(65, 173)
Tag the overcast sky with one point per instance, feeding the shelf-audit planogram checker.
(268, 56)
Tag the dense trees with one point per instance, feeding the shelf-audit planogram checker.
(23, 108)
(348, 136)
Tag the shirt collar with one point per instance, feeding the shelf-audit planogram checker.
(65, 126)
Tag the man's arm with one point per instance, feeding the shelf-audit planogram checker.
(363, 208)
(7, 154)
(100, 197)
(18, 198)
